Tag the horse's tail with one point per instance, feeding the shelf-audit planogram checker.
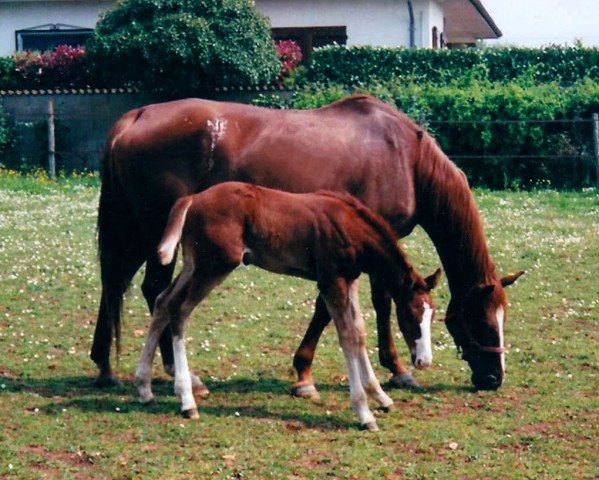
(174, 229)
(115, 219)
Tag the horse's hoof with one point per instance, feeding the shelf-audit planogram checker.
(404, 380)
(200, 391)
(191, 414)
(107, 380)
(370, 426)
(305, 391)
(387, 408)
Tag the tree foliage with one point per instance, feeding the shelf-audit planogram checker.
(183, 45)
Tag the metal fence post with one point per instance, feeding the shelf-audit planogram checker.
(596, 145)
(51, 141)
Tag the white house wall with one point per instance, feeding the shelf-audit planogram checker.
(20, 15)
(373, 22)
(368, 22)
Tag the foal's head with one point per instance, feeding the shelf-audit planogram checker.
(415, 312)
(476, 324)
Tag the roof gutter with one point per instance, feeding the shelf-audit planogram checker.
(412, 25)
(483, 13)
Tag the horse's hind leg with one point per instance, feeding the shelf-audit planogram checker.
(388, 357)
(117, 269)
(304, 356)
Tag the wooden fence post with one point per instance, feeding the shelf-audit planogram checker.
(596, 145)
(51, 141)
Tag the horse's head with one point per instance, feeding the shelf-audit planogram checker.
(415, 312)
(476, 325)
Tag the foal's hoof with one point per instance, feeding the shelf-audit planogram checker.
(200, 391)
(198, 388)
(305, 391)
(369, 427)
(192, 413)
(386, 408)
(404, 380)
(105, 380)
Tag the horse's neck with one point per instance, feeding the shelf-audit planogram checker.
(448, 214)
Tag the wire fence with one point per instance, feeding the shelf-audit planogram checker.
(561, 153)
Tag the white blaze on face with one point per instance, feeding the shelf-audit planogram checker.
(500, 316)
(424, 352)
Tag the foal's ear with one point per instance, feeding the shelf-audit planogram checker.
(433, 280)
(485, 290)
(509, 279)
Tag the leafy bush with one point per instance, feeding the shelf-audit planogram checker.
(6, 133)
(8, 74)
(485, 126)
(183, 46)
(359, 65)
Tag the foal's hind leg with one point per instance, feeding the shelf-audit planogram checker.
(388, 357)
(157, 278)
(304, 356)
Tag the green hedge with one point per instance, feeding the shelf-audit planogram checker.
(357, 65)
(6, 134)
(480, 122)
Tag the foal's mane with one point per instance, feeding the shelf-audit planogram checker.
(378, 224)
(443, 194)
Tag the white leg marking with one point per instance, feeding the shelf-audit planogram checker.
(424, 351)
(182, 376)
(367, 376)
(500, 316)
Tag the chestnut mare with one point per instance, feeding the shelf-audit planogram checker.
(327, 237)
(159, 153)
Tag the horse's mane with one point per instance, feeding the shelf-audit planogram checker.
(443, 191)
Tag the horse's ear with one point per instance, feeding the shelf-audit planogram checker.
(433, 280)
(509, 279)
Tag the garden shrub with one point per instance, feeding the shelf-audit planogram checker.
(183, 46)
(6, 133)
(481, 126)
(359, 65)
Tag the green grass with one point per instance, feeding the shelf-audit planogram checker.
(54, 424)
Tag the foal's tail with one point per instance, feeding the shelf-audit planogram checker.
(174, 229)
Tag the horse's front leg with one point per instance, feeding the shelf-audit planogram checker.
(342, 302)
(304, 356)
(388, 357)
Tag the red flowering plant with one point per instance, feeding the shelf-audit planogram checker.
(62, 67)
(290, 54)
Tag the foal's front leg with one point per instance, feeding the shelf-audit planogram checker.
(341, 298)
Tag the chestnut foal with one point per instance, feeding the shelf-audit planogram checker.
(327, 237)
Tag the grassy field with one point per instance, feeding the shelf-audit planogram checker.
(543, 423)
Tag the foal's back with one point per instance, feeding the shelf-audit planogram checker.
(284, 232)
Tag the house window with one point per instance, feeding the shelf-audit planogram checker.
(309, 38)
(46, 37)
